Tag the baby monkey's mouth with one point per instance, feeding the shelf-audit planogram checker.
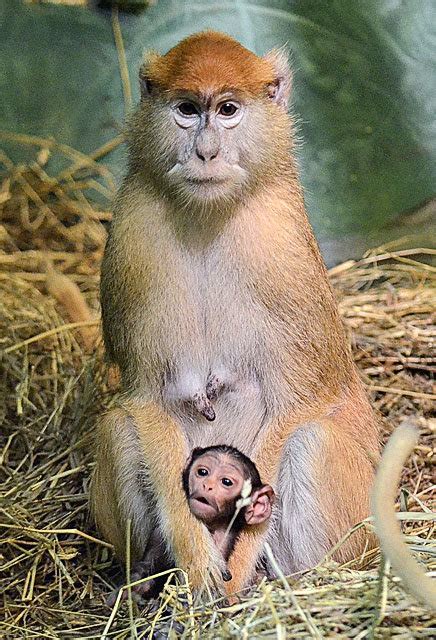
(198, 499)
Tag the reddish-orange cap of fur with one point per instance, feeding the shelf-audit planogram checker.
(210, 61)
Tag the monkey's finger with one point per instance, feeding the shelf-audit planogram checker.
(209, 413)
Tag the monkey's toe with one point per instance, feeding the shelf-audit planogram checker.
(140, 593)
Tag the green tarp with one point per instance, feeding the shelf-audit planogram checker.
(364, 88)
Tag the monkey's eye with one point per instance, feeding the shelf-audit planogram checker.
(227, 482)
(202, 472)
(228, 109)
(187, 109)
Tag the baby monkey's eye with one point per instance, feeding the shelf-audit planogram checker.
(227, 482)
(202, 472)
(228, 109)
(187, 109)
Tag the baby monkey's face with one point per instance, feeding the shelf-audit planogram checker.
(215, 483)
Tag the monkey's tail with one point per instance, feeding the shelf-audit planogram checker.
(68, 294)
(398, 448)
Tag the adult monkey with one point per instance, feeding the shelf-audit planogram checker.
(216, 304)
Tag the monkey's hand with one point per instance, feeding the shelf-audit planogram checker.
(226, 575)
(193, 548)
(188, 540)
(215, 385)
(243, 559)
(203, 405)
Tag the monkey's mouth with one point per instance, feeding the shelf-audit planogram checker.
(206, 181)
(201, 505)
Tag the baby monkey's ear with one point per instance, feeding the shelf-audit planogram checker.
(260, 508)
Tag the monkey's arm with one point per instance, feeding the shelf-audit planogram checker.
(398, 448)
(248, 547)
(165, 452)
(338, 469)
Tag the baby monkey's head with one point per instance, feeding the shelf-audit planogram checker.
(213, 480)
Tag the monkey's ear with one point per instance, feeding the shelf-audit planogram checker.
(150, 58)
(280, 90)
(260, 508)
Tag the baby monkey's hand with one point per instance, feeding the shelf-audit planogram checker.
(227, 576)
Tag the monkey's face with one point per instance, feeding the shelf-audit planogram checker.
(207, 162)
(211, 147)
(212, 123)
(215, 483)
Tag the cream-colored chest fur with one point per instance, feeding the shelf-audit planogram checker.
(207, 321)
(227, 307)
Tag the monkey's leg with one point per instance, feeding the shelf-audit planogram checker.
(165, 451)
(323, 488)
(143, 439)
(326, 472)
(248, 548)
(117, 493)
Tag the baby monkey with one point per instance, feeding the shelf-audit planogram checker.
(213, 481)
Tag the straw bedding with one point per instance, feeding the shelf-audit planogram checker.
(57, 572)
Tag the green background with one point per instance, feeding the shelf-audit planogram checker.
(364, 93)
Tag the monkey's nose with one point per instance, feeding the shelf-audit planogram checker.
(207, 145)
(205, 157)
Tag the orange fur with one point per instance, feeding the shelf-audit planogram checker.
(158, 435)
(141, 438)
(350, 432)
(210, 62)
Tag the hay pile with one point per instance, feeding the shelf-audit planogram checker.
(56, 570)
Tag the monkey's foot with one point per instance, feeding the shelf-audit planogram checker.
(214, 386)
(140, 592)
(202, 403)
